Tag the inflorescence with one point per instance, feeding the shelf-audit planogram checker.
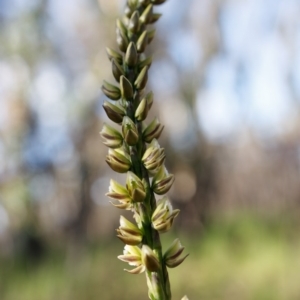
(134, 149)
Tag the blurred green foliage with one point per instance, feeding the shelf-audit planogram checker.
(233, 258)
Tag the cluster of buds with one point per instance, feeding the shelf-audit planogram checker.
(134, 149)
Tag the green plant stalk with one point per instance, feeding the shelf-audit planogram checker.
(137, 152)
(151, 237)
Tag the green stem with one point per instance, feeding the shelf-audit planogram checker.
(146, 209)
(152, 236)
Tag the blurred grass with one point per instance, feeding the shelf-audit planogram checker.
(234, 258)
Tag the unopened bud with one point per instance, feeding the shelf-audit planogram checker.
(129, 233)
(126, 88)
(118, 160)
(162, 181)
(172, 255)
(145, 63)
(149, 98)
(114, 54)
(135, 187)
(164, 215)
(151, 34)
(142, 78)
(149, 259)
(117, 70)
(142, 110)
(142, 42)
(130, 132)
(174, 251)
(146, 16)
(121, 27)
(122, 40)
(112, 137)
(114, 112)
(154, 17)
(131, 55)
(154, 156)
(111, 91)
(134, 22)
(152, 131)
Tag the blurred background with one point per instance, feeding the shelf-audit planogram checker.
(226, 80)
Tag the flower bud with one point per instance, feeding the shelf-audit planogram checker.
(129, 233)
(114, 112)
(150, 34)
(111, 91)
(135, 187)
(145, 62)
(152, 131)
(118, 160)
(149, 259)
(117, 70)
(112, 137)
(134, 22)
(142, 110)
(173, 253)
(122, 39)
(133, 256)
(126, 88)
(149, 98)
(130, 132)
(154, 17)
(154, 156)
(119, 192)
(121, 27)
(164, 215)
(142, 78)
(114, 54)
(185, 298)
(162, 181)
(142, 42)
(131, 55)
(146, 16)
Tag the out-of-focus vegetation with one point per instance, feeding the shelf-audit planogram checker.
(243, 257)
(226, 84)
